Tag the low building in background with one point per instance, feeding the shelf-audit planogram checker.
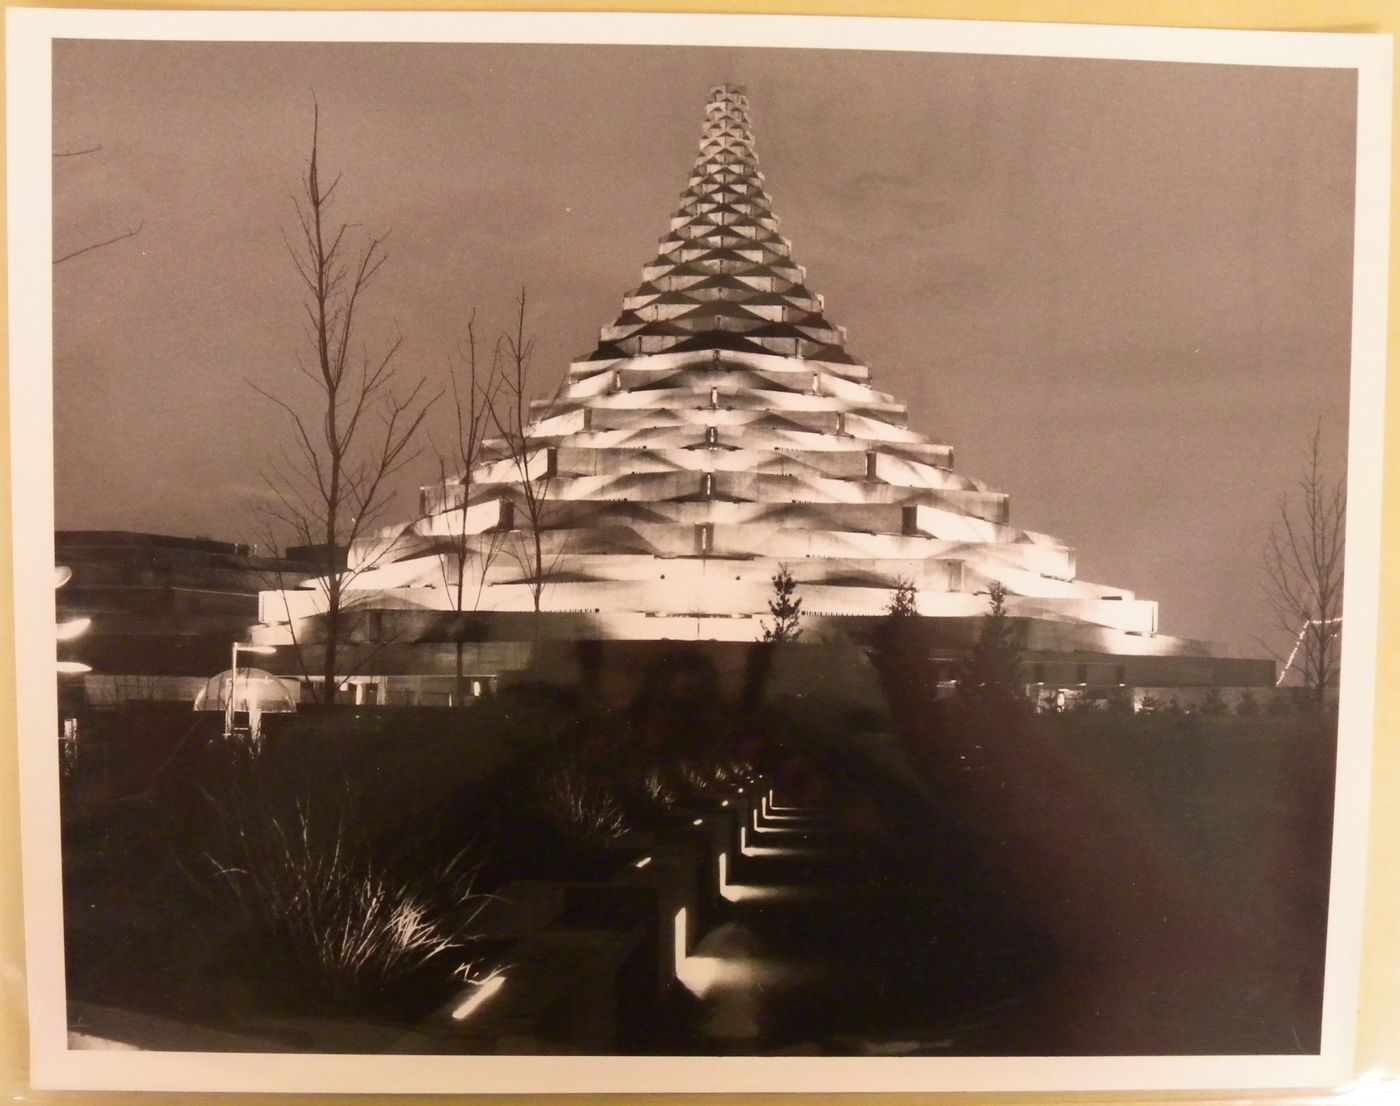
(164, 610)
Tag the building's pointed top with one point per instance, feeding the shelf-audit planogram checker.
(724, 228)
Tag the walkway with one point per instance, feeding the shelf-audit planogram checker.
(835, 944)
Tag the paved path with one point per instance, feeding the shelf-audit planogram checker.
(840, 943)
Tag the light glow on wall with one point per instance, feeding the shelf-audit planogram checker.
(73, 628)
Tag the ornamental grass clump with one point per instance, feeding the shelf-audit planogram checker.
(342, 925)
(713, 777)
(658, 790)
(581, 807)
(646, 791)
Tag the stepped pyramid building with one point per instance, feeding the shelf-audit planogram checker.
(720, 431)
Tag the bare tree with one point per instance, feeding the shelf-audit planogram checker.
(1303, 562)
(529, 456)
(130, 232)
(467, 554)
(331, 485)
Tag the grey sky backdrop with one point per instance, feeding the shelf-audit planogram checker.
(1120, 290)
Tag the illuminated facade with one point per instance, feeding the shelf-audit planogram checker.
(720, 431)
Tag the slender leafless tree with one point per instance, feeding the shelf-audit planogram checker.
(467, 554)
(530, 457)
(130, 232)
(1303, 563)
(331, 484)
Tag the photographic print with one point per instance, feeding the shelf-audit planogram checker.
(749, 553)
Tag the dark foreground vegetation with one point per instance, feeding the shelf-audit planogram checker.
(1087, 882)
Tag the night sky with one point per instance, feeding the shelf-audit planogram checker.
(1121, 290)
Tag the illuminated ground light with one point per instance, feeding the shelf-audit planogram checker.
(764, 892)
(749, 892)
(771, 810)
(680, 933)
(712, 976)
(701, 975)
(757, 828)
(781, 813)
(697, 974)
(698, 822)
(480, 993)
(774, 850)
(762, 850)
(643, 862)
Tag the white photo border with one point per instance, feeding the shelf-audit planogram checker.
(29, 147)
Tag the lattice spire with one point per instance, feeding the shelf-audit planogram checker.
(723, 277)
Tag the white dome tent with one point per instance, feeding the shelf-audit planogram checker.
(251, 692)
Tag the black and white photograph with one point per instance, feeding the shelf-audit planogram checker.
(682, 553)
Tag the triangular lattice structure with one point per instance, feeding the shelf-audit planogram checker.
(724, 278)
(720, 431)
